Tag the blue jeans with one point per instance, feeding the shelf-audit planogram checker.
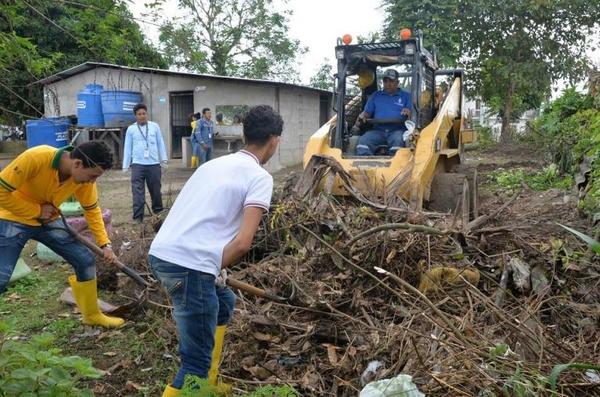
(13, 237)
(195, 148)
(205, 154)
(198, 308)
(370, 140)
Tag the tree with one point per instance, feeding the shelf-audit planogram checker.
(437, 19)
(523, 47)
(513, 51)
(244, 38)
(323, 79)
(38, 38)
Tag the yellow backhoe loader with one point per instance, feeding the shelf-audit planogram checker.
(427, 172)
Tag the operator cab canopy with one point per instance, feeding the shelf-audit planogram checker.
(360, 74)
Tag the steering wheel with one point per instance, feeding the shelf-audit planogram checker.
(385, 121)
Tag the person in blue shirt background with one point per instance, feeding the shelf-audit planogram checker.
(145, 153)
(389, 103)
(206, 128)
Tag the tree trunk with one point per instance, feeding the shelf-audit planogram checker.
(505, 133)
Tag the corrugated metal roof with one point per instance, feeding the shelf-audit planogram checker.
(84, 67)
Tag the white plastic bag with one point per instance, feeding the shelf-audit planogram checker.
(410, 128)
(399, 386)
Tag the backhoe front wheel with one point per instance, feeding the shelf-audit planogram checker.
(456, 193)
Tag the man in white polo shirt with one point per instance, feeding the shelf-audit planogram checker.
(211, 226)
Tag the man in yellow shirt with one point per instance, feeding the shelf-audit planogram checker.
(32, 187)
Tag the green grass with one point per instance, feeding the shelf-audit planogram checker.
(31, 307)
(32, 302)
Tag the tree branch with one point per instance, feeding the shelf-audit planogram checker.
(394, 226)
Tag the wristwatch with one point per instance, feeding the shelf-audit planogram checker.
(107, 245)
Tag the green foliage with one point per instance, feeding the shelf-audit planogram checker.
(521, 384)
(569, 131)
(371, 37)
(274, 391)
(499, 350)
(556, 371)
(513, 50)
(564, 132)
(516, 380)
(230, 38)
(38, 38)
(195, 386)
(484, 137)
(323, 79)
(548, 178)
(593, 244)
(35, 368)
(437, 19)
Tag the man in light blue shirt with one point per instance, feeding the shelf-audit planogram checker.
(205, 135)
(389, 103)
(145, 153)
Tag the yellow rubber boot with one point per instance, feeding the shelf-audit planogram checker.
(194, 161)
(170, 391)
(86, 296)
(222, 389)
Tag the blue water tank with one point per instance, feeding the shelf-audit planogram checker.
(51, 131)
(89, 106)
(117, 107)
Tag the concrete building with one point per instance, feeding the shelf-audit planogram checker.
(172, 96)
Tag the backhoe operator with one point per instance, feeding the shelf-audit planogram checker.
(389, 103)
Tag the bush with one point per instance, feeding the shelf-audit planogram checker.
(569, 131)
(34, 368)
(485, 137)
(558, 130)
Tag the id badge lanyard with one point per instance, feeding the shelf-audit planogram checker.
(145, 136)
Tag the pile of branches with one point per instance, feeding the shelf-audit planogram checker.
(472, 309)
(484, 307)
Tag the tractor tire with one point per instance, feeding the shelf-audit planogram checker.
(450, 192)
(470, 171)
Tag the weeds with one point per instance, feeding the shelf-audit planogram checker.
(548, 178)
(35, 368)
(275, 391)
(198, 387)
(569, 131)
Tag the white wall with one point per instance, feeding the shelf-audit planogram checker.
(298, 106)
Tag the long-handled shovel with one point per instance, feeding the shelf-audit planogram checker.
(237, 284)
(98, 251)
(261, 293)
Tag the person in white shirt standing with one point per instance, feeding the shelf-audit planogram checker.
(145, 153)
(210, 227)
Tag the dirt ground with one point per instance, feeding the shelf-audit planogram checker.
(139, 358)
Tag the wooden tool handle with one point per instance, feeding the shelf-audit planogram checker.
(242, 286)
(261, 293)
(98, 251)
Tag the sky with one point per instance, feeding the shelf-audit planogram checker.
(316, 23)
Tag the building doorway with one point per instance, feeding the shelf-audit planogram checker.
(182, 105)
(323, 109)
